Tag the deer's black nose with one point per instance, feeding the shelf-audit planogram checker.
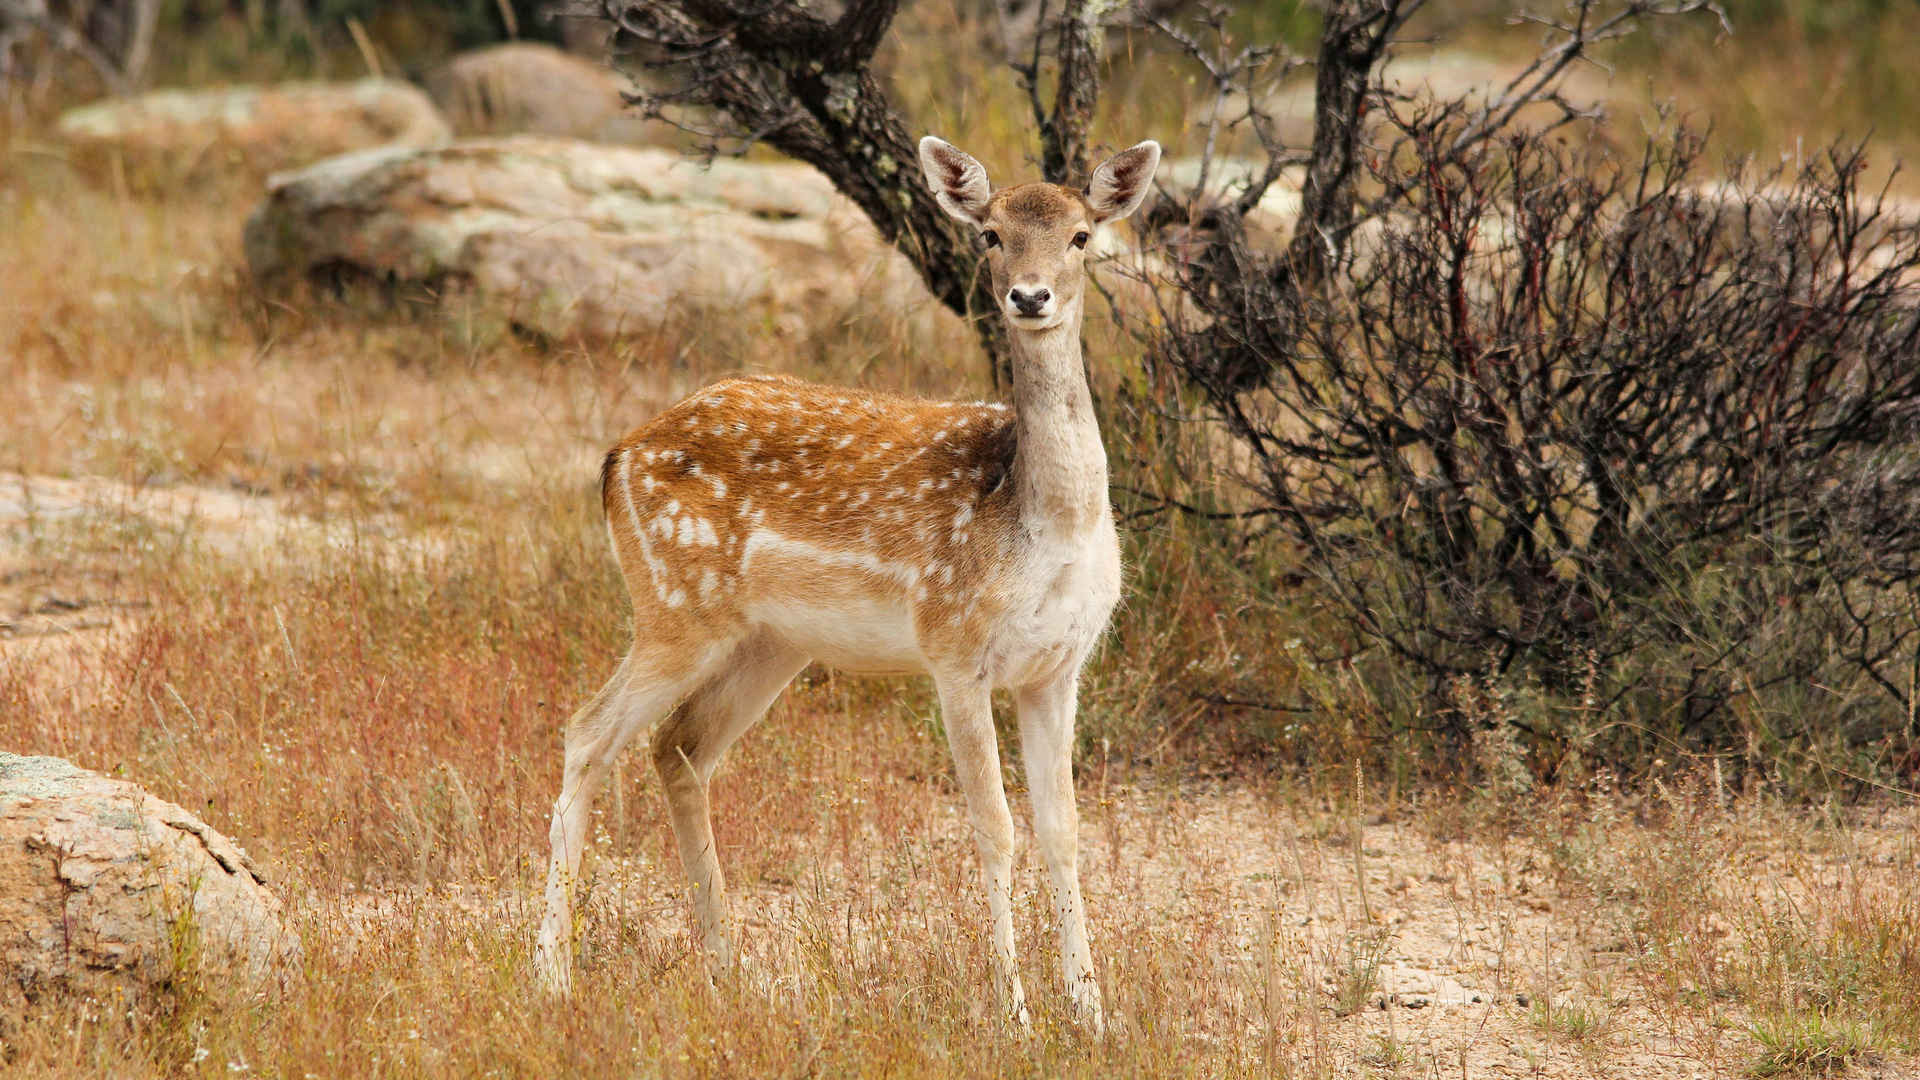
(1029, 303)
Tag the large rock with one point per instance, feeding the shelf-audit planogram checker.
(575, 239)
(104, 887)
(1270, 223)
(169, 136)
(526, 87)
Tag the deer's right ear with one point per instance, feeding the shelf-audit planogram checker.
(959, 183)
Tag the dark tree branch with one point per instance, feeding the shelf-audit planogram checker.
(860, 30)
(774, 73)
(1535, 83)
(1063, 131)
(113, 37)
(1550, 394)
(1352, 43)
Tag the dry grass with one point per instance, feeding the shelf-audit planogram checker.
(334, 583)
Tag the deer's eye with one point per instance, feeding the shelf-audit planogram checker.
(1080, 239)
(990, 238)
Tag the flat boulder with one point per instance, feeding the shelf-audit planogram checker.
(169, 136)
(574, 239)
(526, 87)
(104, 887)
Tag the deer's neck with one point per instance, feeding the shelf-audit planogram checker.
(1059, 465)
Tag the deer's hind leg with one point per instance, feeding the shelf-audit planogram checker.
(643, 689)
(688, 748)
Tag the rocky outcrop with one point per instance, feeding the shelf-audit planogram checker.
(105, 887)
(1270, 223)
(169, 136)
(575, 239)
(529, 88)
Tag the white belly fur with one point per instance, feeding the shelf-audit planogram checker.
(847, 610)
(855, 612)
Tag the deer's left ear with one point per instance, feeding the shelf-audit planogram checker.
(1118, 186)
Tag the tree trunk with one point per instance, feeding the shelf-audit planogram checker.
(804, 85)
(1063, 133)
(1352, 40)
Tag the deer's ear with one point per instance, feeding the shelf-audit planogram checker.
(1118, 186)
(959, 183)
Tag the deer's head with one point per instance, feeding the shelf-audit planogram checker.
(1036, 234)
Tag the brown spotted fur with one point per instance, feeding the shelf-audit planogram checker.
(923, 485)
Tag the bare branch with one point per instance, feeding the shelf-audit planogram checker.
(1550, 393)
(860, 30)
(1534, 82)
(1244, 75)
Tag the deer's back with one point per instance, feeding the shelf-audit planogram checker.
(871, 529)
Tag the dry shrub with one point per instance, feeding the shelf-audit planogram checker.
(1637, 444)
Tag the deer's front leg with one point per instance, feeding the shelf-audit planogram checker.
(1046, 743)
(967, 707)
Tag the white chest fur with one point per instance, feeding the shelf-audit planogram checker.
(1062, 596)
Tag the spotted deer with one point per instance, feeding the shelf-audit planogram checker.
(764, 523)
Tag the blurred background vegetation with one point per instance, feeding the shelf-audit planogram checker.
(1791, 71)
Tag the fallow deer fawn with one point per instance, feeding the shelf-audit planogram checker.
(763, 523)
